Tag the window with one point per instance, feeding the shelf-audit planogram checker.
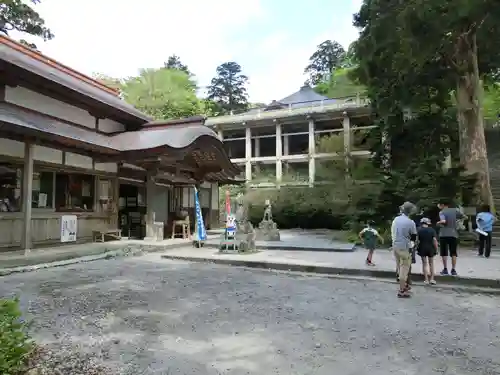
(74, 192)
(43, 190)
(10, 187)
(105, 195)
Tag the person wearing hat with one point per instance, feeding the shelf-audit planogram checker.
(427, 247)
(404, 235)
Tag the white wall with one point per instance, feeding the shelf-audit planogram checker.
(44, 104)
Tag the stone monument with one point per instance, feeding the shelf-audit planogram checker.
(244, 238)
(245, 233)
(268, 230)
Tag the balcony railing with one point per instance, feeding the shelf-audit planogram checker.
(321, 106)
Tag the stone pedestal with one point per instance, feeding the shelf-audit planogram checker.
(268, 230)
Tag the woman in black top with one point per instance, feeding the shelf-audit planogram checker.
(427, 246)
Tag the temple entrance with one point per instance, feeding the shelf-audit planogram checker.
(132, 211)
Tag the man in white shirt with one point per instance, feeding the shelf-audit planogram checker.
(404, 234)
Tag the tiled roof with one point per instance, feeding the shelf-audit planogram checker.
(305, 94)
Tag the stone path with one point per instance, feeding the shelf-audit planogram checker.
(151, 316)
(472, 270)
(302, 240)
(67, 253)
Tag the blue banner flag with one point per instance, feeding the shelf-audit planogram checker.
(200, 226)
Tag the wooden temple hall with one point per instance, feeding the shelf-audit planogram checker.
(71, 150)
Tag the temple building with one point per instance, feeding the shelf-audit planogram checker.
(278, 144)
(70, 147)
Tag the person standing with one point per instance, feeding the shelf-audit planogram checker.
(485, 220)
(369, 235)
(404, 232)
(427, 246)
(448, 235)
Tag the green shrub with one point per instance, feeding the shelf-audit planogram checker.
(15, 344)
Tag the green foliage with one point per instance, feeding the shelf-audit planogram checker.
(174, 62)
(491, 104)
(299, 207)
(17, 15)
(340, 84)
(163, 93)
(328, 56)
(15, 343)
(228, 88)
(413, 54)
(409, 76)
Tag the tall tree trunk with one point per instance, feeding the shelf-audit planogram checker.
(473, 154)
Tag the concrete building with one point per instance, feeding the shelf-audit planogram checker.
(280, 144)
(71, 151)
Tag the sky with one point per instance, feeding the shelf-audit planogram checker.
(271, 39)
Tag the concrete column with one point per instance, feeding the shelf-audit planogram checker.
(248, 154)
(257, 154)
(257, 147)
(27, 195)
(312, 152)
(346, 124)
(286, 145)
(279, 150)
(150, 209)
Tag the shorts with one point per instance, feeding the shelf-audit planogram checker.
(448, 246)
(369, 246)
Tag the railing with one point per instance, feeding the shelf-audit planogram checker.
(304, 108)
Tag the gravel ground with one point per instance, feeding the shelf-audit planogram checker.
(149, 316)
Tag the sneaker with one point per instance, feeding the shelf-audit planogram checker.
(426, 282)
(453, 272)
(444, 271)
(404, 294)
(433, 282)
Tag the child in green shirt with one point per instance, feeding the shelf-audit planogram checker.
(370, 236)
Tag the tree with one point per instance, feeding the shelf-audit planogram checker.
(114, 83)
(328, 56)
(340, 84)
(174, 62)
(228, 88)
(16, 15)
(413, 54)
(162, 93)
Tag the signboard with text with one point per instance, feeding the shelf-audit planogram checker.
(68, 228)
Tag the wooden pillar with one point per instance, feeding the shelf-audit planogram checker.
(27, 193)
(150, 213)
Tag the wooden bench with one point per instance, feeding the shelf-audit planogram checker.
(99, 236)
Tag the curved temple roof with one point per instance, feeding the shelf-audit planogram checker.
(193, 140)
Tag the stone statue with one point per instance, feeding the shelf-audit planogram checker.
(245, 233)
(268, 230)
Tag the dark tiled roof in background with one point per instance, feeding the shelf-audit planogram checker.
(305, 94)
